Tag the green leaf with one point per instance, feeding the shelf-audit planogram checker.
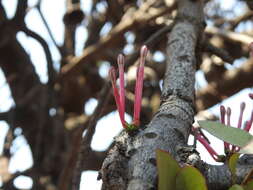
(131, 127)
(190, 178)
(228, 134)
(167, 170)
(236, 187)
(249, 185)
(232, 165)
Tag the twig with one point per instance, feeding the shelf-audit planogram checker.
(150, 42)
(235, 22)
(47, 27)
(230, 83)
(2, 13)
(10, 185)
(91, 52)
(223, 54)
(50, 67)
(86, 141)
(4, 116)
(233, 36)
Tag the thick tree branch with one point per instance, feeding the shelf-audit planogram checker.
(21, 11)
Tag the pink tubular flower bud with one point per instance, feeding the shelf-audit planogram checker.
(249, 123)
(247, 126)
(239, 125)
(226, 145)
(112, 75)
(210, 150)
(228, 115)
(242, 108)
(119, 95)
(139, 86)
(251, 119)
(222, 114)
(121, 62)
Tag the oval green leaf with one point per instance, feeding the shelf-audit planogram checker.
(236, 187)
(228, 134)
(190, 178)
(167, 170)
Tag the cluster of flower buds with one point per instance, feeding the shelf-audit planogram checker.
(119, 94)
(228, 148)
(247, 126)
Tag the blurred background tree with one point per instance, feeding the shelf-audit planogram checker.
(51, 114)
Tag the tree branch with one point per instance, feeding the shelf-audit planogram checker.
(43, 43)
(21, 11)
(231, 82)
(131, 162)
(223, 54)
(233, 36)
(140, 17)
(47, 27)
(4, 116)
(85, 149)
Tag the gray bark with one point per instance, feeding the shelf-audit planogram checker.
(131, 163)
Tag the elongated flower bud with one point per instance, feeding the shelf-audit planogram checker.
(139, 85)
(112, 75)
(121, 62)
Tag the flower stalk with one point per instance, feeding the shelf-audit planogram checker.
(248, 124)
(228, 148)
(222, 120)
(139, 86)
(112, 74)
(209, 149)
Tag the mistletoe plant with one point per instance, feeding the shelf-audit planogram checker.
(119, 94)
(235, 139)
